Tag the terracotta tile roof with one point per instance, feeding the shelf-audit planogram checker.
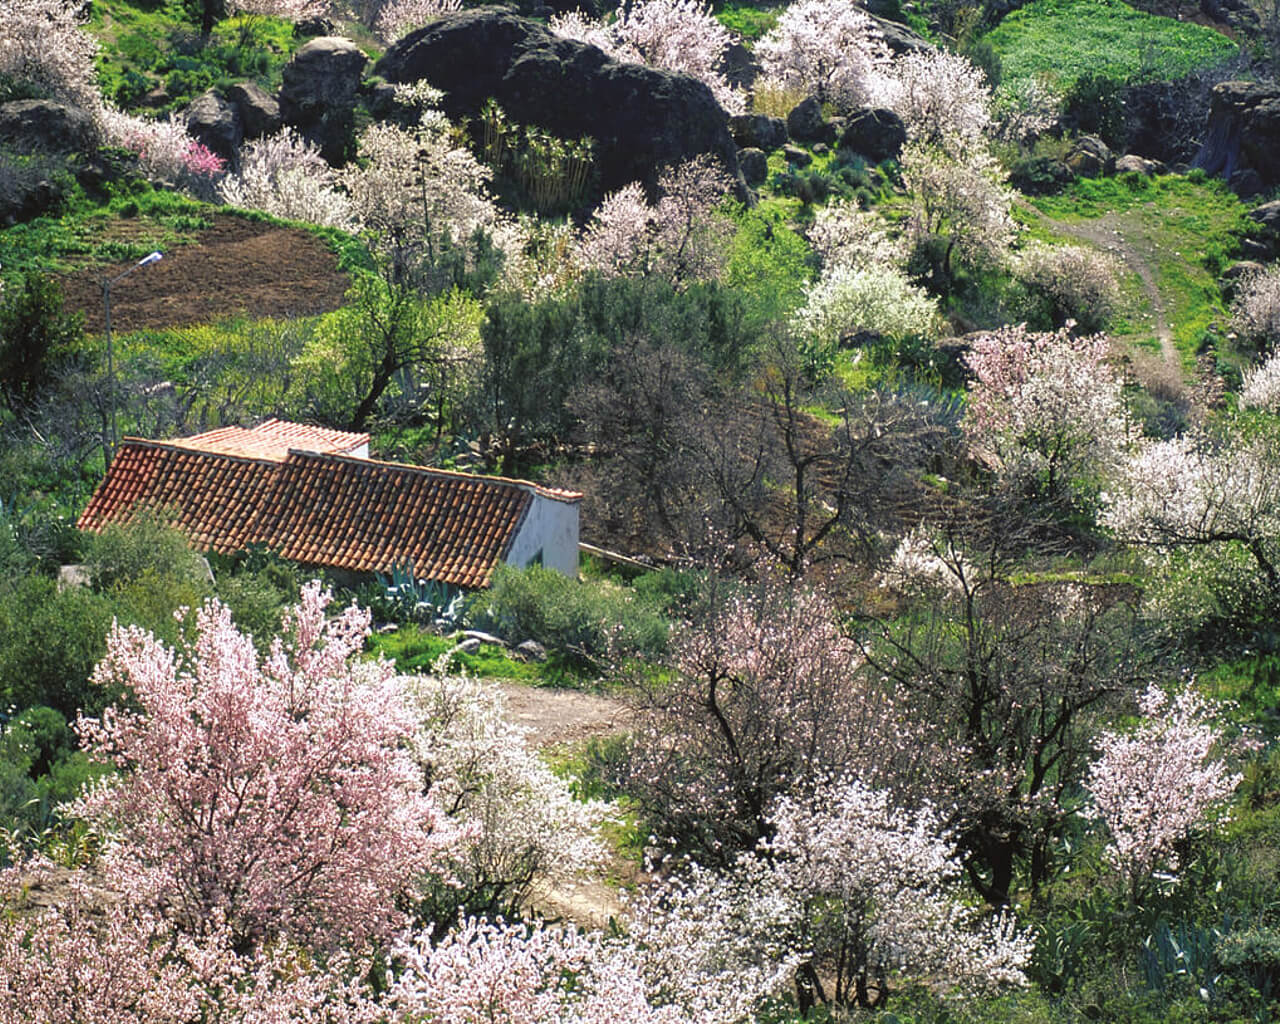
(274, 439)
(213, 499)
(328, 510)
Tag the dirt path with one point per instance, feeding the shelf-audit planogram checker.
(569, 717)
(1108, 233)
(562, 716)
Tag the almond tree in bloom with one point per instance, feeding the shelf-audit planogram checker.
(959, 205)
(681, 237)
(494, 971)
(826, 48)
(285, 176)
(1255, 314)
(1070, 283)
(1201, 491)
(275, 794)
(1156, 787)
(43, 43)
(521, 830)
(96, 958)
(290, 10)
(400, 17)
(1048, 408)
(942, 99)
(1002, 677)
(420, 198)
(1260, 385)
(880, 896)
(1206, 507)
(675, 35)
(765, 700)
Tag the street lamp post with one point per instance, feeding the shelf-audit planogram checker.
(107, 282)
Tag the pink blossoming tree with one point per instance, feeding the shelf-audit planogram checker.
(275, 794)
(1048, 408)
(1158, 786)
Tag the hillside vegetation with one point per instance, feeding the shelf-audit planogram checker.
(926, 412)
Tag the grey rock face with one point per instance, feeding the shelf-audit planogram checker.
(318, 94)
(215, 124)
(642, 119)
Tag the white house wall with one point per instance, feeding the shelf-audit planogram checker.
(550, 527)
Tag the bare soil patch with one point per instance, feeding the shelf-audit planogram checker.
(236, 267)
(554, 716)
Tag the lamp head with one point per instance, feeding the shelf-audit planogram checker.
(152, 258)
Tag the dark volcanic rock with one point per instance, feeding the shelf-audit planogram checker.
(758, 130)
(1090, 157)
(318, 93)
(739, 68)
(258, 110)
(876, 134)
(46, 126)
(805, 122)
(1235, 13)
(901, 39)
(215, 124)
(754, 164)
(796, 156)
(642, 119)
(1040, 176)
(1243, 132)
(1132, 163)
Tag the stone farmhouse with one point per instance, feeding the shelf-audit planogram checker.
(314, 496)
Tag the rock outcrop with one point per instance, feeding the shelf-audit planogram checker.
(1242, 140)
(1090, 157)
(46, 126)
(876, 134)
(758, 131)
(805, 122)
(318, 94)
(215, 124)
(642, 119)
(257, 109)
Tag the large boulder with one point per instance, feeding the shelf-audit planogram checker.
(641, 118)
(1131, 163)
(215, 124)
(877, 134)
(755, 165)
(46, 126)
(805, 122)
(1090, 157)
(899, 38)
(1243, 133)
(318, 94)
(758, 131)
(257, 109)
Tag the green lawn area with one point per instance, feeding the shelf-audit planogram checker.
(1186, 229)
(1064, 39)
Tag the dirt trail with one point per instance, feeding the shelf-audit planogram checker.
(570, 717)
(554, 716)
(1108, 233)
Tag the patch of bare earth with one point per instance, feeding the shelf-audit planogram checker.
(557, 718)
(237, 267)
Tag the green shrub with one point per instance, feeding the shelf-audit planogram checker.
(1095, 105)
(35, 337)
(50, 641)
(123, 552)
(586, 624)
